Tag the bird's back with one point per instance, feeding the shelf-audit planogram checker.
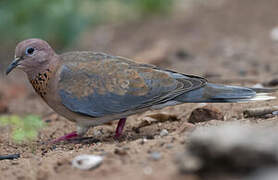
(99, 85)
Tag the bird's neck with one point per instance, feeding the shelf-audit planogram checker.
(41, 77)
(40, 82)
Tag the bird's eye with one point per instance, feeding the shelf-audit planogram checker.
(29, 51)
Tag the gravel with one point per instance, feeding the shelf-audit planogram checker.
(163, 132)
(155, 156)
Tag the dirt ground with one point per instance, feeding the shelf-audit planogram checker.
(224, 41)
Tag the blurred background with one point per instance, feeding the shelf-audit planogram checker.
(63, 22)
(233, 42)
(187, 35)
(225, 41)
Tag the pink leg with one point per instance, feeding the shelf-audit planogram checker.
(66, 137)
(120, 127)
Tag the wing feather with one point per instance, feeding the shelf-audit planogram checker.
(99, 85)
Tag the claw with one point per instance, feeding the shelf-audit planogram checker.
(66, 137)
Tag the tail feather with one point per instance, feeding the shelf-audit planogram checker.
(221, 93)
(262, 97)
(264, 90)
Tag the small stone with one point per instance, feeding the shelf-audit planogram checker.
(205, 113)
(269, 116)
(97, 133)
(143, 141)
(183, 54)
(229, 148)
(150, 136)
(87, 162)
(163, 132)
(136, 130)
(98, 143)
(274, 34)
(48, 121)
(120, 151)
(169, 146)
(275, 113)
(271, 83)
(155, 156)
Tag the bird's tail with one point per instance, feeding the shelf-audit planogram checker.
(222, 93)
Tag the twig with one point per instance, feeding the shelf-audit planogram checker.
(259, 112)
(10, 156)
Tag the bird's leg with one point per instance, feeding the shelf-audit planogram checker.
(81, 130)
(120, 127)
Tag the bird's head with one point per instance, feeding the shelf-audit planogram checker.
(31, 54)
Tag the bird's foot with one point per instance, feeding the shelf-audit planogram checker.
(66, 137)
(120, 128)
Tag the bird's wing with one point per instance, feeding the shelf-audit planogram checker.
(98, 85)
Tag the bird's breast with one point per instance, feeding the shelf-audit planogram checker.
(40, 82)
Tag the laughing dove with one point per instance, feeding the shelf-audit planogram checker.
(91, 88)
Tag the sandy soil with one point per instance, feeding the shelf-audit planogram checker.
(227, 43)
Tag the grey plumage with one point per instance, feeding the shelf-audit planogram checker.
(93, 88)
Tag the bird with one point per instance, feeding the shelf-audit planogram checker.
(92, 88)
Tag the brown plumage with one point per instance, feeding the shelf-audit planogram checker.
(40, 82)
(94, 88)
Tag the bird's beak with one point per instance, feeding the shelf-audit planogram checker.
(13, 65)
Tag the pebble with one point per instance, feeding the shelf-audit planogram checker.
(143, 141)
(242, 147)
(48, 121)
(149, 136)
(205, 113)
(183, 54)
(155, 155)
(121, 151)
(163, 132)
(275, 113)
(97, 133)
(274, 34)
(271, 83)
(87, 162)
(169, 146)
